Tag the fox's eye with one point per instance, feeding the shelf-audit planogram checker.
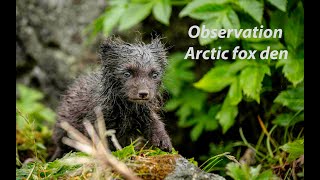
(155, 75)
(127, 74)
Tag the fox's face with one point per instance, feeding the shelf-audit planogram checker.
(136, 68)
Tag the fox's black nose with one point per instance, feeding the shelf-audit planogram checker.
(143, 94)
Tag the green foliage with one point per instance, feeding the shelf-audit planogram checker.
(280, 4)
(295, 149)
(237, 171)
(292, 98)
(127, 13)
(135, 13)
(130, 151)
(242, 76)
(51, 170)
(293, 67)
(162, 11)
(78, 164)
(212, 162)
(29, 104)
(187, 101)
(33, 120)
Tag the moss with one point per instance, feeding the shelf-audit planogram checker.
(154, 167)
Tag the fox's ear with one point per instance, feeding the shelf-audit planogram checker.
(158, 50)
(109, 49)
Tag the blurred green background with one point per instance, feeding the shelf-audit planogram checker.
(212, 106)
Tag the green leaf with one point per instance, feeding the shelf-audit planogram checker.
(243, 171)
(111, 18)
(288, 119)
(183, 113)
(254, 171)
(251, 81)
(211, 123)
(216, 79)
(196, 131)
(278, 19)
(280, 4)
(260, 46)
(266, 175)
(202, 6)
(295, 149)
(235, 93)
(292, 98)
(294, 28)
(205, 15)
(162, 11)
(213, 23)
(238, 65)
(236, 172)
(191, 100)
(253, 8)
(178, 73)
(134, 14)
(47, 114)
(28, 95)
(227, 115)
(172, 104)
(230, 20)
(293, 68)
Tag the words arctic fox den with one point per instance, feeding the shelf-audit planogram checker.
(237, 53)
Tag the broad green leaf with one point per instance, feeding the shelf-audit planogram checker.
(238, 65)
(280, 4)
(202, 5)
(196, 131)
(230, 20)
(266, 175)
(216, 79)
(205, 15)
(251, 81)
(254, 171)
(235, 93)
(288, 119)
(111, 18)
(178, 72)
(212, 123)
(293, 68)
(236, 172)
(245, 172)
(208, 12)
(294, 28)
(28, 95)
(260, 46)
(191, 100)
(295, 149)
(227, 115)
(292, 98)
(183, 112)
(162, 11)
(172, 104)
(214, 23)
(253, 8)
(134, 14)
(47, 114)
(278, 19)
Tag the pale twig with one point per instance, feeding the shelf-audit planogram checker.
(74, 133)
(96, 147)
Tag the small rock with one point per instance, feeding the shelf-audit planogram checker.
(184, 170)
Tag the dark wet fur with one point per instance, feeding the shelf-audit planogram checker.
(118, 95)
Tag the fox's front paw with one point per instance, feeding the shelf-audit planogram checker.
(163, 142)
